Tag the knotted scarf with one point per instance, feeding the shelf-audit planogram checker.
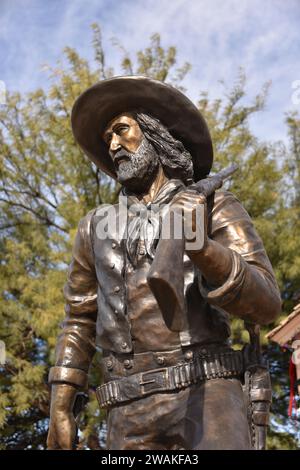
(144, 220)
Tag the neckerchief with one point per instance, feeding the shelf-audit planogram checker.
(144, 220)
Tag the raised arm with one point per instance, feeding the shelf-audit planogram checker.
(236, 274)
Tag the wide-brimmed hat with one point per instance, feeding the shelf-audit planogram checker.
(99, 104)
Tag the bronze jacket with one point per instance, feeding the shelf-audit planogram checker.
(109, 303)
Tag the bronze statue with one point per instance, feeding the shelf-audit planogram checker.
(158, 309)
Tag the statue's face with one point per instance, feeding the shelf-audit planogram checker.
(135, 159)
(122, 132)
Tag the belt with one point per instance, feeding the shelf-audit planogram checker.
(215, 365)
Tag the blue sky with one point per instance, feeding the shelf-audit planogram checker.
(215, 36)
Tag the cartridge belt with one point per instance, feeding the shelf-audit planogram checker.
(199, 368)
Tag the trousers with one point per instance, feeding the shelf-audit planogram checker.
(210, 415)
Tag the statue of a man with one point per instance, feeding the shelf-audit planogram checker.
(163, 389)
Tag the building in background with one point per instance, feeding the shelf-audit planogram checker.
(287, 335)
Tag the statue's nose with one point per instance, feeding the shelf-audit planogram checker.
(115, 143)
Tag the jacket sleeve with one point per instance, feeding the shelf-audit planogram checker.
(250, 291)
(76, 344)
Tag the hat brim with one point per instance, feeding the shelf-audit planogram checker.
(99, 104)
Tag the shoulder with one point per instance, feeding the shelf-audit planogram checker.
(226, 201)
(224, 198)
(93, 215)
(84, 225)
(227, 209)
(82, 247)
(104, 210)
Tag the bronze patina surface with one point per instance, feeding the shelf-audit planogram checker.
(165, 386)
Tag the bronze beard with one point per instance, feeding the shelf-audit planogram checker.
(137, 171)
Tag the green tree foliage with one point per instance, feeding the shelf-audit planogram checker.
(47, 185)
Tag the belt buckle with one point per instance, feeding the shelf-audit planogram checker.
(154, 380)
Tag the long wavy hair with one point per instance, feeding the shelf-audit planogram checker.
(175, 159)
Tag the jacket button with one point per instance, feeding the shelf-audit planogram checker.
(109, 365)
(189, 355)
(112, 265)
(160, 360)
(113, 245)
(124, 345)
(117, 289)
(127, 364)
(116, 312)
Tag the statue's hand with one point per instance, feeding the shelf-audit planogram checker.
(62, 431)
(62, 428)
(192, 205)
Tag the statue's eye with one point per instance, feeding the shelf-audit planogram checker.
(108, 139)
(122, 129)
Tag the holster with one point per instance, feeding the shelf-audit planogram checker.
(258, 395)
